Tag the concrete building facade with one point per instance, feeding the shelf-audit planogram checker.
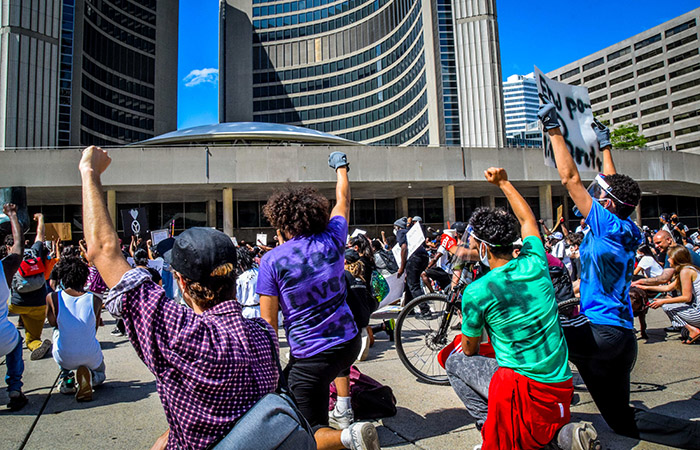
(385, 72)
(651, 80)
(78, 72)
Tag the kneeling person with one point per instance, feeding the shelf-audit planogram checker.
(74, 314)
(522, 398)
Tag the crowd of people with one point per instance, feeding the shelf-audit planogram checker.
(203, 311)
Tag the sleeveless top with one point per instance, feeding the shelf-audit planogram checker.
(75, 341)
(8, 332)
(696, 291)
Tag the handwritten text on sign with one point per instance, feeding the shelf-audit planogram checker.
(575, 117)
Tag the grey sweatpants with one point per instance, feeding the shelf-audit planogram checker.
(470, 377)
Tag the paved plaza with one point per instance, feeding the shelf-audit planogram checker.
(126, 412)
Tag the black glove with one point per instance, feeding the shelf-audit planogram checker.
(548, 115)
(337, 160)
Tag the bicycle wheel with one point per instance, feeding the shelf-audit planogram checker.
(424, 327)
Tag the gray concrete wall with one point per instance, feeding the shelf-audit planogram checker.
(235, 61)
(165, 109)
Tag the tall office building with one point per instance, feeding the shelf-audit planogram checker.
(79, 72)
(384, 72)
(520, 103)
(651, 80)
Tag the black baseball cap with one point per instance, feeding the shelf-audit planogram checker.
(198, 251)
(460, 227)
(351, 255)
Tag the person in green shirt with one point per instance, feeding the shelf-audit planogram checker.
(515, 303)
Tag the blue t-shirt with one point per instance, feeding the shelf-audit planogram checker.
(607, 263)
(307, 274)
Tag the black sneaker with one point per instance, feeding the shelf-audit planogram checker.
(41, 351)
(17, 401)
(673, 329)
(116, 332)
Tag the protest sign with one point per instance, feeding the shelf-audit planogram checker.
(396, 285)
(261, 238)
(396, 251)
(135, 222)
(157, 236)
(357, 232)
(53, 231)
(415, 238)
(575, 116)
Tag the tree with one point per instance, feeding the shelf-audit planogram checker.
(627, 137)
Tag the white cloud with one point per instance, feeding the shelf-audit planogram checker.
(199, 76)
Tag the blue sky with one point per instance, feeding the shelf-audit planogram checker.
(548, 35)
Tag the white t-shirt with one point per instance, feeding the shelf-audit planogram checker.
(8, 332)
(650, 267)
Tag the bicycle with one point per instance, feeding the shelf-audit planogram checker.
(424, 327)
(428, 323)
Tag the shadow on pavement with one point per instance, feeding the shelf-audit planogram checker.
(111, 392)
(414, 427)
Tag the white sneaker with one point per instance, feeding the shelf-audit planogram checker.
(364, 436)
(585, 437)
(340, 420)
(83, 378)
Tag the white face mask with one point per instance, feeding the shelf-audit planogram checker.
(483, 258)
(395, 231)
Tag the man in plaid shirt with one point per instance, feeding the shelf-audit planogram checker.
(211, 365)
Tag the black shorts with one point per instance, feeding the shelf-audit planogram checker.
(310, 378)
(443, 278)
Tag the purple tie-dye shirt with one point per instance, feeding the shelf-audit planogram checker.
(210, 368)
(95, 283)
(307, 274)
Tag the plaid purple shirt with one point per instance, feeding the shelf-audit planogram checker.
(95, 283)
(210, 368)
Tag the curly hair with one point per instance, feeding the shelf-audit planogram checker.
(244, 259)
(72, 273)
(496, 226)
(298, 211)
(575, 238)
(141, 257)
(625, 189)
(220, 286)
(356, 269)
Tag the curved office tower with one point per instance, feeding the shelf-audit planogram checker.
(124, 71)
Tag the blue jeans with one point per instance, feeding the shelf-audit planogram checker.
(15, 367)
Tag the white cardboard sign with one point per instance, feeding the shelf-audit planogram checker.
(575, 116)
(261, 238)
(415, 238)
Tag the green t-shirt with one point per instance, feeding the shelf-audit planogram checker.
(516, 304)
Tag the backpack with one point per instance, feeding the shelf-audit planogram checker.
(30, 276)
(370, 399)
(360, 301)
(389, 261)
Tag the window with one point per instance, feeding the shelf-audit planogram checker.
(648, 55)
(687, 115)
(569, 74)
(622, 78)
(597, 87)
(647, 41)
(593, 64)
(593, 76)
(657, 137)
(684, 86)
(679, 28)
(655, 123)
(652, 96)
(601, 111)
(624, 104)
(685, 101)
(624, 91)
(651, 68)
(619, 66)
(685, 71)
(599, 99)
(679, 42)
(625, 117)
(619, 53)
(687, 130)
(688, 145)
(683, 56)
(652, 82)
(655, 109)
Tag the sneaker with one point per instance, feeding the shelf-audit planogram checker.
(116, 332)
(17, 400)
(84, 380)
(364, 436)
(68, 386)
(477, 447)
(20, 323)
(340, 420)
(41, 351)
(389, 326)
(582, 435)
(673, 329)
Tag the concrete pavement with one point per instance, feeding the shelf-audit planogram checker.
(126, 412)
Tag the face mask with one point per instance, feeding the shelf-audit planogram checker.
(483, 258)
(395, 231)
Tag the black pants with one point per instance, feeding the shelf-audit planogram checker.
(604, 356)
(415, 266)
(309, 379)
(442, 278)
